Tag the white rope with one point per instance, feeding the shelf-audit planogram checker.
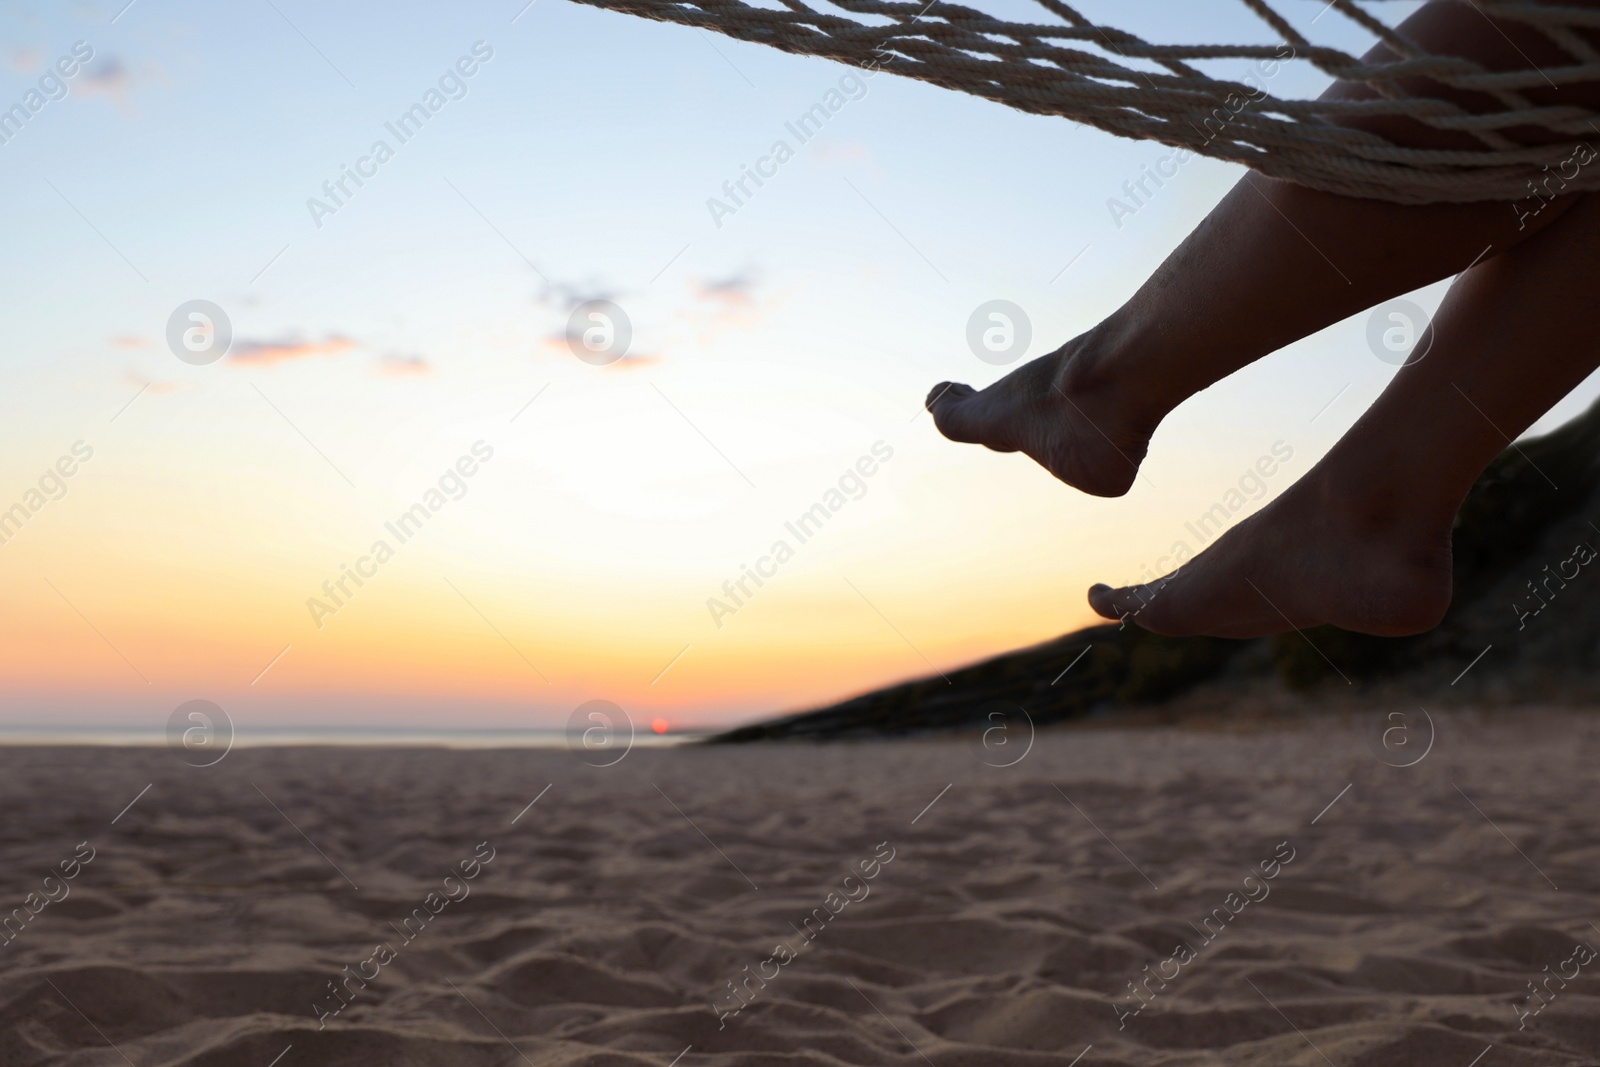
(1044, 68)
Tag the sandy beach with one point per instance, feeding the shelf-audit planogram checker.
(1127, 896)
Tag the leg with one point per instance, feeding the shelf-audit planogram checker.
(1244, 284)
(1271, 264)
(1363, 540)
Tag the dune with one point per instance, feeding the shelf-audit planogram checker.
(876, 903)
(1520, 607)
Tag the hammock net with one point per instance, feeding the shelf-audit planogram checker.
(1115, 81)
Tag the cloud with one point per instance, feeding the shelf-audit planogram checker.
(737, 289)
(633, 361)
(399, 366)
(841, 152)
(112, 79)
(567, 295)
(139, 381)
(268, 353)
(26, 60)
(561, 344)
(715, 307)
(128, 340)
(107, 78)
(727, 305)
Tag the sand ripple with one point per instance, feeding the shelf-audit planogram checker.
(1004, 929)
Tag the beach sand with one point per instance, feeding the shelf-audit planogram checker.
(996, 915)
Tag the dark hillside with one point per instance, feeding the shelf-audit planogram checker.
(1527, 588)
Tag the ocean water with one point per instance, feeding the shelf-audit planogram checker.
(374, 737)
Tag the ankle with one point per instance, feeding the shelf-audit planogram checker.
(1381, 509)
(1096, 369)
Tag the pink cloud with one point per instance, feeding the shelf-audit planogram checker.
(841, 152)
(728, 304)
(399, 366)
(268, 353)
(559, 344)
(134, 378)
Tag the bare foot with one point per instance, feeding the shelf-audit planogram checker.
(1309, 558)
(1071, 421)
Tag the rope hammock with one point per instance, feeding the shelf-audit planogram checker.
(1045, 68)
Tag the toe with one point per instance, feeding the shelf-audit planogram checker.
(947, 395)
(958, 414)
(1110, 603)
(1100, 599)
(951, 411)
(1130, 603)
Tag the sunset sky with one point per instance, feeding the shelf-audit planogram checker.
(376, 344)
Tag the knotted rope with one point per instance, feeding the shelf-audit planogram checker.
(1045, 68)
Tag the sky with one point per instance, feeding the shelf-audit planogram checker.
(409, 340)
